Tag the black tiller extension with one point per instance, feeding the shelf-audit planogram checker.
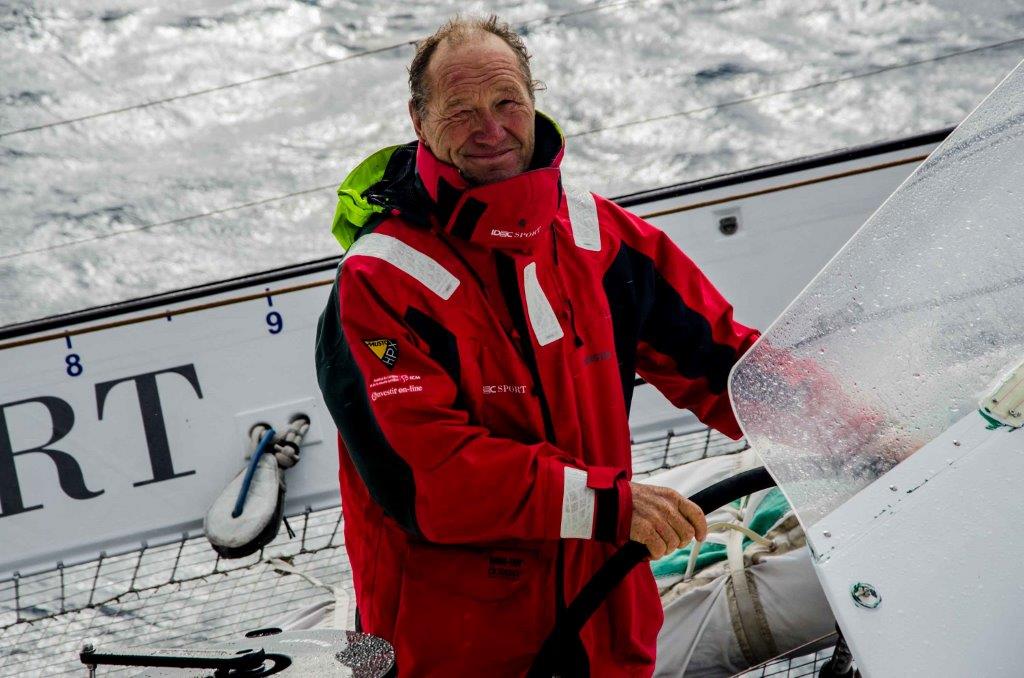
(604, 581)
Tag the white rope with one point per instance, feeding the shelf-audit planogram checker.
(749, 533)
(691, 565)
(256, 435)
(288, 456)
(736, 513)
(341, 598)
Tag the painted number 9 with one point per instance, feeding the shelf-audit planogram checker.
(274, 322)
(74, 363)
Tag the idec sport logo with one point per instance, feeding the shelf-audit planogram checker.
(386, 350)
(492, 389)
(502, 233)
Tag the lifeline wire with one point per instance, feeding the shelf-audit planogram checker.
(292, 71)
(724, 104)
(169, 222)
(208, 90)
(803, 88)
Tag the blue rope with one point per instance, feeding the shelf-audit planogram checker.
(250, 471)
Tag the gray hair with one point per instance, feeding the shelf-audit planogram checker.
(457, 30)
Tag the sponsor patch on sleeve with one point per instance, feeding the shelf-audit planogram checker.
(395, 384)
(386, 350)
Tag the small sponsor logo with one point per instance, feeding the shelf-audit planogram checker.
(395, 384)
(386, 350)
(502, 233)
(394, 390)
(505, 567)
(394, 379)
(597, 357)
(492, 389)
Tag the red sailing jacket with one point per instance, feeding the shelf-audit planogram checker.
(478, 355)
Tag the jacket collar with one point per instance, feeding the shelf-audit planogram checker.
(508, 214)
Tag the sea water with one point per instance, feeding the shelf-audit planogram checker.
(240, 179)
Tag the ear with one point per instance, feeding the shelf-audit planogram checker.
(417, 122)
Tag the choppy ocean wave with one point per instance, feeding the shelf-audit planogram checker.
(650, 92)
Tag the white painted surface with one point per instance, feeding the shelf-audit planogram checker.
(279, 415)
(239, 365)
(945, 557)
(782, 240)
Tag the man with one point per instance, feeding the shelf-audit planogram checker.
(478, 355)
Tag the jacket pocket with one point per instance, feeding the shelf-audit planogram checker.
(501, 391)
(469, 611)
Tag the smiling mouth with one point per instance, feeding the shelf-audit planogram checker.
(490, 156)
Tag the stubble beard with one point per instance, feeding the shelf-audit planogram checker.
(495, 175)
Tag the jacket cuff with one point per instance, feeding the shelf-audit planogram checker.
(613, 503)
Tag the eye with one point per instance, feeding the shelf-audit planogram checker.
(458, 114)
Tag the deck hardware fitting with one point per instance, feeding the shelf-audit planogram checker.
(865, 595)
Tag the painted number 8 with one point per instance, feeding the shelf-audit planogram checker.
(74, 363)
(274, 322)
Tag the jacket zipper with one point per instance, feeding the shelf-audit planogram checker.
(577, 339)
(575, 662)
(508, 280)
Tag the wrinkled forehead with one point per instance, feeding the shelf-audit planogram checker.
(476, 63)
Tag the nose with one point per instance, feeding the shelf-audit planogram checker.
(489, 129)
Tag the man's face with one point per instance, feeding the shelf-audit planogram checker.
(480, 115)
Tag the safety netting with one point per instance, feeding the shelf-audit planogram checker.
(799, 664)
(183, 593)
(168, 596)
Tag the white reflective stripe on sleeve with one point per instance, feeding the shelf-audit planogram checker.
(577, 505)
(433, 275)
(542, 316)
(586, 230)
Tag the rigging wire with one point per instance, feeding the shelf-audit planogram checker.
(732, 102)
(208, 90)
(293, 71)
(169, 222)
(802, 88)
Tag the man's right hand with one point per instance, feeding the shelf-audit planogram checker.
(664, 520)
